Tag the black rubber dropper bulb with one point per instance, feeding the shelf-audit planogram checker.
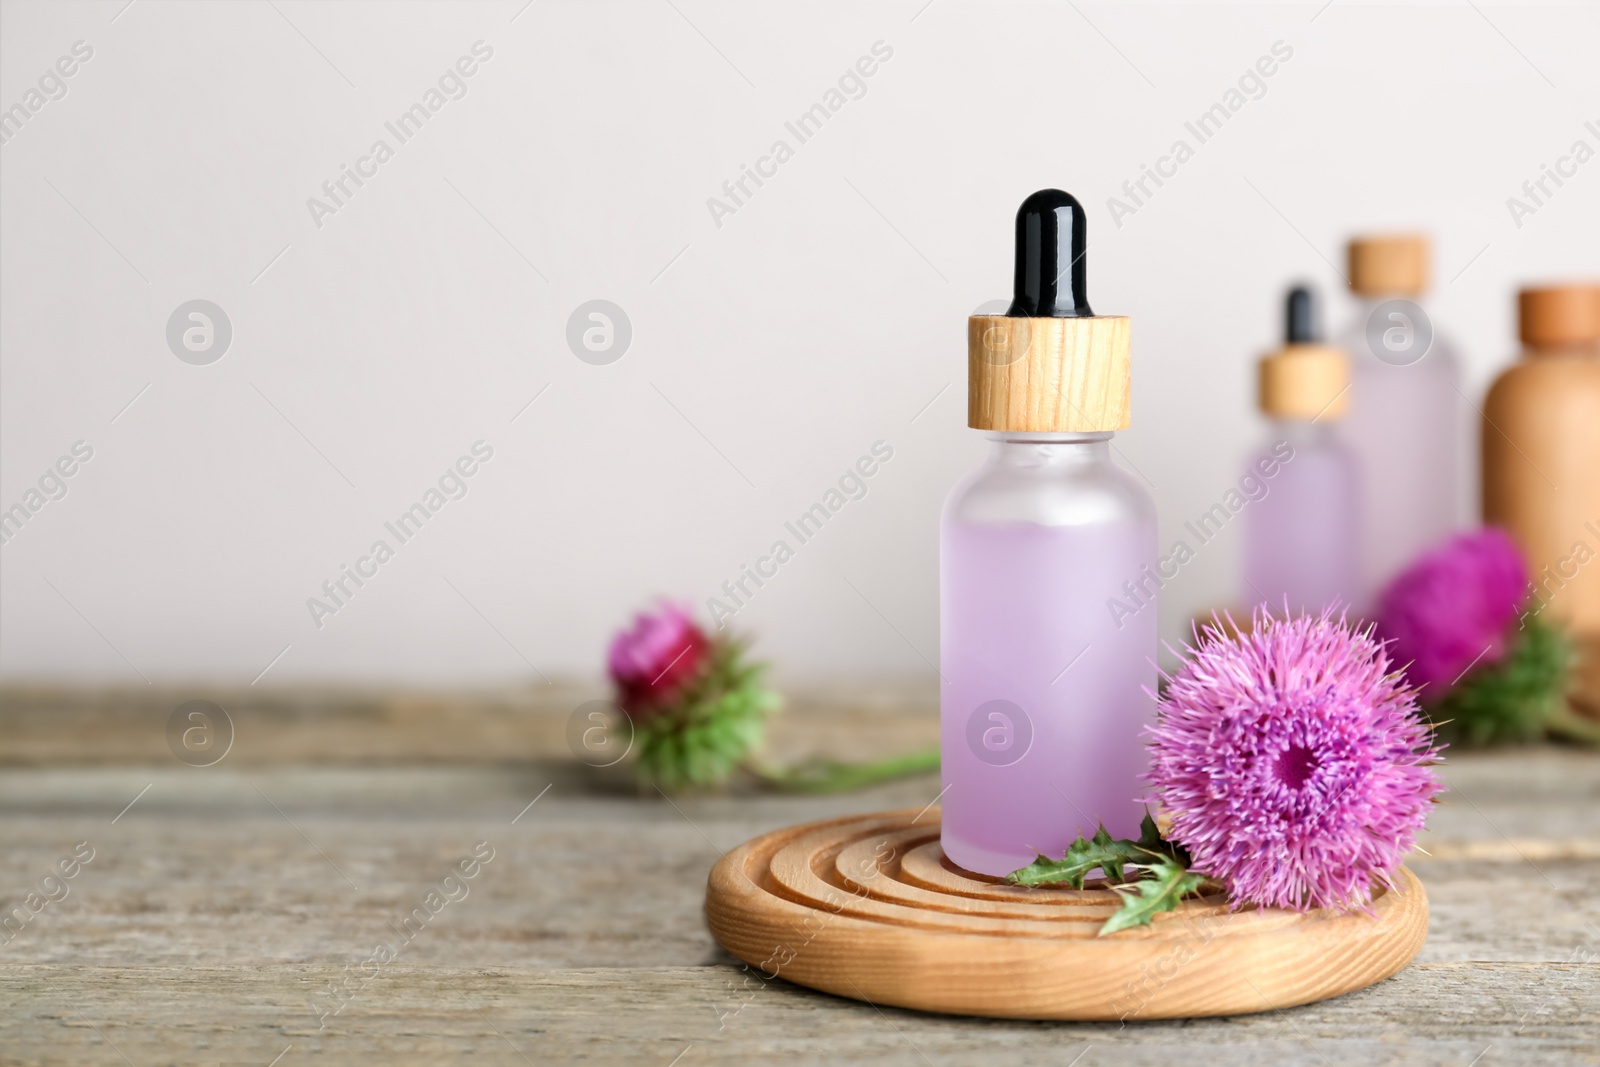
(1300, 317)
(1050, 280)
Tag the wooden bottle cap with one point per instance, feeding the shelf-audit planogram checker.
(1389, 265)
(1305, 381)
(1050, 364)
(1559, 315)
(1048, 375)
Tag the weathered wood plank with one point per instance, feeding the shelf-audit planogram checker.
(577, 881)
(219, 906)
(1439, 1013)
(54, 727)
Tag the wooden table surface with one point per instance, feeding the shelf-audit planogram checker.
(230, 914)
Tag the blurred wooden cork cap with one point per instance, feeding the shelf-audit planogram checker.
(1305, 381)
(1559, 315)
(1389, 265)
(1047, 374)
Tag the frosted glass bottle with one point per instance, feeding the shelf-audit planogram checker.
(1301, 538)
(1043, 666)
(1406, 425)
(1043, 689)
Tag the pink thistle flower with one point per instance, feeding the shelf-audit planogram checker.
(655, 660)
(1452, 609)
(1292, 762)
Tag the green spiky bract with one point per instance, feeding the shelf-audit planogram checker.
(713, 726)
(716, 725)
(1518, 699)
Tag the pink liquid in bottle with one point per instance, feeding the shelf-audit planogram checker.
(1302, 526)
(1043, 680)
(1408, 419)
(1302, 538)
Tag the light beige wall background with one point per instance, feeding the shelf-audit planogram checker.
(767, 352)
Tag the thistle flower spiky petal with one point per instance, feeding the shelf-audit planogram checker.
(1292, 761)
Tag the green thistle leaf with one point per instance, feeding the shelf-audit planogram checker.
(1167, 883)
(1510, 701)
(1162, 872)
(1150, 840)
(1099, 852)
(1082, 856)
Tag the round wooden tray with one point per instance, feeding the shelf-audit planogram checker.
(868, 907)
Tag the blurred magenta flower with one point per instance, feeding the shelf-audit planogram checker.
(1292, 762)
(654, 661)
(699, 706)
(1452, 609)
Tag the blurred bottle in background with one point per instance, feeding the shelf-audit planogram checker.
(1404, 423)
(1301, 539)
(1541, 462)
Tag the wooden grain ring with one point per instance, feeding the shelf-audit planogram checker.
(868, 907)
